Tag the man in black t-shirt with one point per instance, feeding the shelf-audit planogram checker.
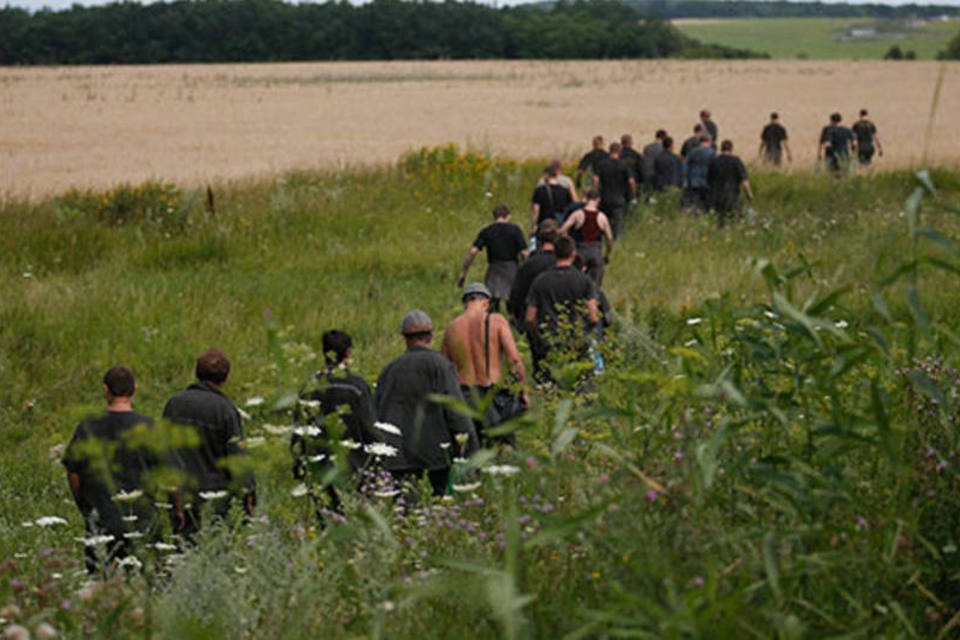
(867, 141)
(550, 198)
(616, 185)
(667, 168)
(773, 142)
(110, 461)
(561, 308)
(725, 178)
(651, 152)
(835, 141)
(709, 126)
(505, 247)
(590, 160)
(693, 141)
(538, 262)
(631, 157)
(210, 465)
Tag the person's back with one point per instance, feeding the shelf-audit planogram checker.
(558, 295)
(347, 396)
(614, 175)
(631, 158)
(667, 168)
(651, 152)
(697, 166)
(533, 266)
(772, 138)
(551, 199)
(725, 176)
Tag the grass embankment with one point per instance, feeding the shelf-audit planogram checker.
(819, 38)
(764, 458)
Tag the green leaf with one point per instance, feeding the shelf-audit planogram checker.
(920, 318)
(923, 175)
(940, 240)
(771, 566)
(913, 211)
(880, 306)
(565, 438)
(887, 440)
(783, 306)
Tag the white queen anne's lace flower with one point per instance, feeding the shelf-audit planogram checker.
(502, 470)
(299, 491)
(128, 496)
(49, 521)
(466, 488)
(255, 401)
(350, 444)
(281, 430)
(694, 321)
(386, 493)
(95, 541)
(380, 450)
(388, 428)
(213, 495)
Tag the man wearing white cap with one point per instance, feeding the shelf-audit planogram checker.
(429, 429)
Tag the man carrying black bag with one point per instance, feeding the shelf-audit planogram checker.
(477, 342)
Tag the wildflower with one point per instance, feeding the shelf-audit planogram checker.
(243, 414)
(279, 430)
(129, 518)
(462, 438)
(651, 496)
(389, 428)
(309, 404)
(255, 441)
(678, 455)
(255, 401)
(603, 478)
(16, 632)
(501, 470)
(380, 450)
(388, 606)
(128, 496)
(444, 445)
(131, 562)
(299, 491)
(240, 570)
(350, 444)
(841, 324)
(164, 546)
(386, 493)
(466, 488)
(49, 521)
(692, 342)
(163, 505)
(691, 322)
(95, 541)
(532, 462)
(861, 523)
(697, 581)
(320, 457)
(212, 495)
(133, 535)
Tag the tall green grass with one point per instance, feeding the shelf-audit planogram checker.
(772, 451)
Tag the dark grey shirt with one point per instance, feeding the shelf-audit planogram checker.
(402, 400)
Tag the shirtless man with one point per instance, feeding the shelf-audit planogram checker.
(591, 231)
(478, 342)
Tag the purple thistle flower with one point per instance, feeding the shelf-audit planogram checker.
(651, 496)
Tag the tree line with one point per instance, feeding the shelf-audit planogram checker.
(670, 9)
(272, 30)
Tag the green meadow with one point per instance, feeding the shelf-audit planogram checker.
(772, 450)
(820, 38)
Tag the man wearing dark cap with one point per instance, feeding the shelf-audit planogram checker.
(477, 342)
(209, 465)
(109, 462)
(432, 434)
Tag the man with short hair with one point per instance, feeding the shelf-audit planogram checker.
(650, 154)
(429, 430)
(216, 423)
(696, 196)
(109, 462)
(615, 184)
(550, 199)
(631, 157)
(593, 234)
(505, 247)
(538, 262)
(336, 391)
(693, 141)
(590, 161)
(706, 119)
(835, 141)
(561, 310)
(668, 168)
(563, 180)
(726, 177)
(773, 142)
(867, 142)
(477, 342)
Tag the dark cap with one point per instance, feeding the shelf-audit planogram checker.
(416, 322)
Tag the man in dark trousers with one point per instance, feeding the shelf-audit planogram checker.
(505, 246)
(591, 230)
(668, 168)
(773, 142)
(866, 139)
(633, 158)
(650, 154)
(209, 465)
(431, 434)
(726, 178)
(550, 198)
(538, 262)
(710, 127)
(616, 185)
(338, 405)
(561, 311)
(835, 141)
(693, 141)
(696, 195)
(109, 462)
(588, 163)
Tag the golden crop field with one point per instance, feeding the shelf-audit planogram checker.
(96, 126)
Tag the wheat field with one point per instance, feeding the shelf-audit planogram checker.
(97, 126)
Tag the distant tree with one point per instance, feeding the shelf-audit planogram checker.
(952, 52)
(909, 54)
(893, 53)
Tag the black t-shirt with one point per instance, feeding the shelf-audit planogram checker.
(864, 130)
(773, 136)
(559, 295)
(529, 270)
(724, 177)
(614, 177)
(113, 458)
(634, 162)
(553, 200)
(502, 240)
(590, 160)
(689, 145)
(838, 138)
(668, 171)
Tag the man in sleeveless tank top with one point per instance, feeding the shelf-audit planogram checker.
(590, 227)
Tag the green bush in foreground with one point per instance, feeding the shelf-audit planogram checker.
(772, 451)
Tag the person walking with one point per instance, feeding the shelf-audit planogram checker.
(631, 157)
(726, 178)
(866, 140)
(478, 342)
(710, 127)
(593, 236)
(209, 465)
(431, 433)
(538, 262)
(668, 168)
(505, 246)
(615, 185)
(109, 462)
(696, 195)
(773, 142)
(550, 199)
(693, 141)
(589, 162)
(835, 141)
(651, 152)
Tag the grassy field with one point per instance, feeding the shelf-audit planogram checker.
(772, 451)
(820, 38)
(97, 126)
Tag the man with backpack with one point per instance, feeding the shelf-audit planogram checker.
(835, 141)
(550, 198)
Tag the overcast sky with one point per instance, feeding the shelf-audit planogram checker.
(63, 4)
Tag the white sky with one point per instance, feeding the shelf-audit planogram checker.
(63, 4)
